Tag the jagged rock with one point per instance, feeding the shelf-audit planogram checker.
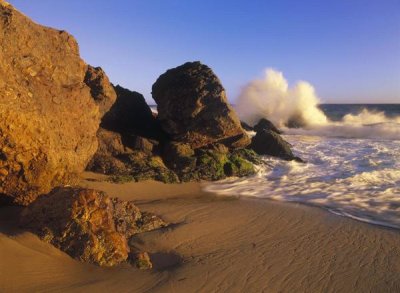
(130, 114)
(193, 109)
(87, 224)
(128, 159)
(107, 160)
(79, 222)
(48, 118)
(268, 142)
(100, 87)
(129, 220)
(265, 124)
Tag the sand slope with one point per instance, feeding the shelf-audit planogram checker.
(218, 245)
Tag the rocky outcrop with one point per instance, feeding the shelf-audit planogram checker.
(48, 118)
(265, 124)
(101, 89)
(135, 145)
(128, 157)
(208, 163)
(129, 142)
(87, 224)
(193, 109)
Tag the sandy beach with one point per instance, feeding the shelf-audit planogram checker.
(215, 244)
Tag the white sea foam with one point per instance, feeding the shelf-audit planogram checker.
(358, 178)
(353, 165)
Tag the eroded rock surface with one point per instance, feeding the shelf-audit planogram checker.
(87, 224)
(101, 88)
(48, 118)
(127, 157)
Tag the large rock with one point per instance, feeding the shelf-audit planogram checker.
(48, 118)
(100, 87)
(87, 224)
(193, 108)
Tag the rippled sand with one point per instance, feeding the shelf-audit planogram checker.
(219, 244)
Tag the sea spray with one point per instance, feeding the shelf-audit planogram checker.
(271, 98)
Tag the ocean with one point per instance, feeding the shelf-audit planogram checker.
(352, 169)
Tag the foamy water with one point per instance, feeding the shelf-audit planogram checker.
(358, 178)
(353, 161)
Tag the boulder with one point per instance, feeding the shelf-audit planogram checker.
(101, 89)
(48, 117)
(193, 108)
(265, 124)
(87, 224)
(268, 142)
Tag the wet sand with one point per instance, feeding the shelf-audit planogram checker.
(215, 245)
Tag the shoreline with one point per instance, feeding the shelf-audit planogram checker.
(216, 244)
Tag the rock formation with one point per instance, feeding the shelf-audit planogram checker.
(192, 107)
(128, 157)
(48, 118)
(135, 145)
(87, 224)
(100, 87)
(268, 142)
(265, 124)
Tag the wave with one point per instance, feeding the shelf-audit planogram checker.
(295, 110)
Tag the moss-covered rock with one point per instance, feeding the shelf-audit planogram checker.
(148, 167)
(215, 163)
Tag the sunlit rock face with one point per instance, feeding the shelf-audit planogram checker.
(87, 224)
(193, 108)
(48, 117)
(101, 88)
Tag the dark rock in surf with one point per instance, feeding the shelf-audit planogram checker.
(265, 124)
(268, 142)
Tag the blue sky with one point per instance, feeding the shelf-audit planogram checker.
(349, 50)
